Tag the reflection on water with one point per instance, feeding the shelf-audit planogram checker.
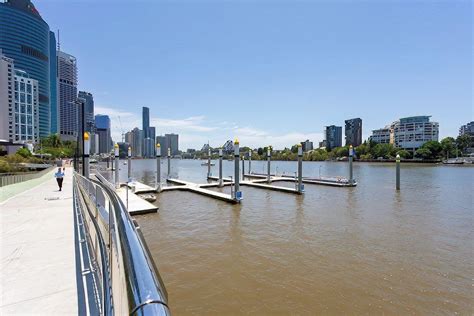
(358, 250)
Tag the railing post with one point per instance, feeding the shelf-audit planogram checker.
(158, 167)
(116, 155)
(87, 150)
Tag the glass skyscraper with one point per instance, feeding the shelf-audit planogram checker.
(88, 110)
(25, 37)
(145, 121)
(53, 81)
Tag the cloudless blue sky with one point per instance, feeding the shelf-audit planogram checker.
(270, 71)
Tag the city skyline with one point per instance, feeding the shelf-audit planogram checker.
(213, 90)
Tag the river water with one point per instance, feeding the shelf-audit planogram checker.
(362, 250)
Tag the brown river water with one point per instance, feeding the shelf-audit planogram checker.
(362, 250)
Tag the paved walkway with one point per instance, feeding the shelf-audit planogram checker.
(37, 267)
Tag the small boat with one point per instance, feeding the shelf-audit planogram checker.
(454, 161)
(92, 160)
(149, 197)
(124, 162)
(205, 164)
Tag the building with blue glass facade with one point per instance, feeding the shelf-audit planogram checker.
(53, 82)
(25, 37)
(102, 125)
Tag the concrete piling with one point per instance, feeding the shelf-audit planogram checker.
(269, 158)
(116, 161)
(236, 173)
(87, 149)
(158, 167)
(250, 161)
(221, 182)
(300, 168)
(398, 172)
(169, 163)
(208, 162)
(351, 160)
(129, 163)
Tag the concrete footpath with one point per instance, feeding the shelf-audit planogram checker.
(37, 267)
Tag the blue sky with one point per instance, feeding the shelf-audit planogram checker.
(269, 72)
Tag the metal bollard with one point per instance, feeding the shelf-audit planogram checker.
(250, 161)
(300, 168)
(269, 158)
(158, 167)
(169, 163)
(237, 173)
(351, 159)
(221, 182)
(116, 156)
(208, 162)
(398, 172)
(129, 154)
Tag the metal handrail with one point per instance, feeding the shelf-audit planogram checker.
(131, 282)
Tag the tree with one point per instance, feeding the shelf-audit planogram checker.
(52, 140)
(423, 153)
(383, 150)
(294, 149)
(434, 147)
(24, 152)
(404, 154)
(260, 151)
(463, 142)
(448, 146)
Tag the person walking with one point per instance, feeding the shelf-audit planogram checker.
(59, 178)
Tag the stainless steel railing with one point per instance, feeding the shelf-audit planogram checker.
(129, 281)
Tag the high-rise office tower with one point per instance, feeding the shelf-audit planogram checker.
(333, 137)
(173, 143)
(163, 144)
(102, 125)
(53, 82)
(88, 110)
(353, 131)
(135, 139)
(68, 110)
(7, 80)
(19, 113)
(145, 121)
(25, 37)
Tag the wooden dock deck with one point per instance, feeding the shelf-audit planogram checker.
(136, 205)
(199, 188)
(335, 182)
(138, 187)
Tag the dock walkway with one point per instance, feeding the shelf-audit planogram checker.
(38, 268)
(199, 188)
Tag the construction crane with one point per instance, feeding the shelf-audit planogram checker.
(121, 129)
